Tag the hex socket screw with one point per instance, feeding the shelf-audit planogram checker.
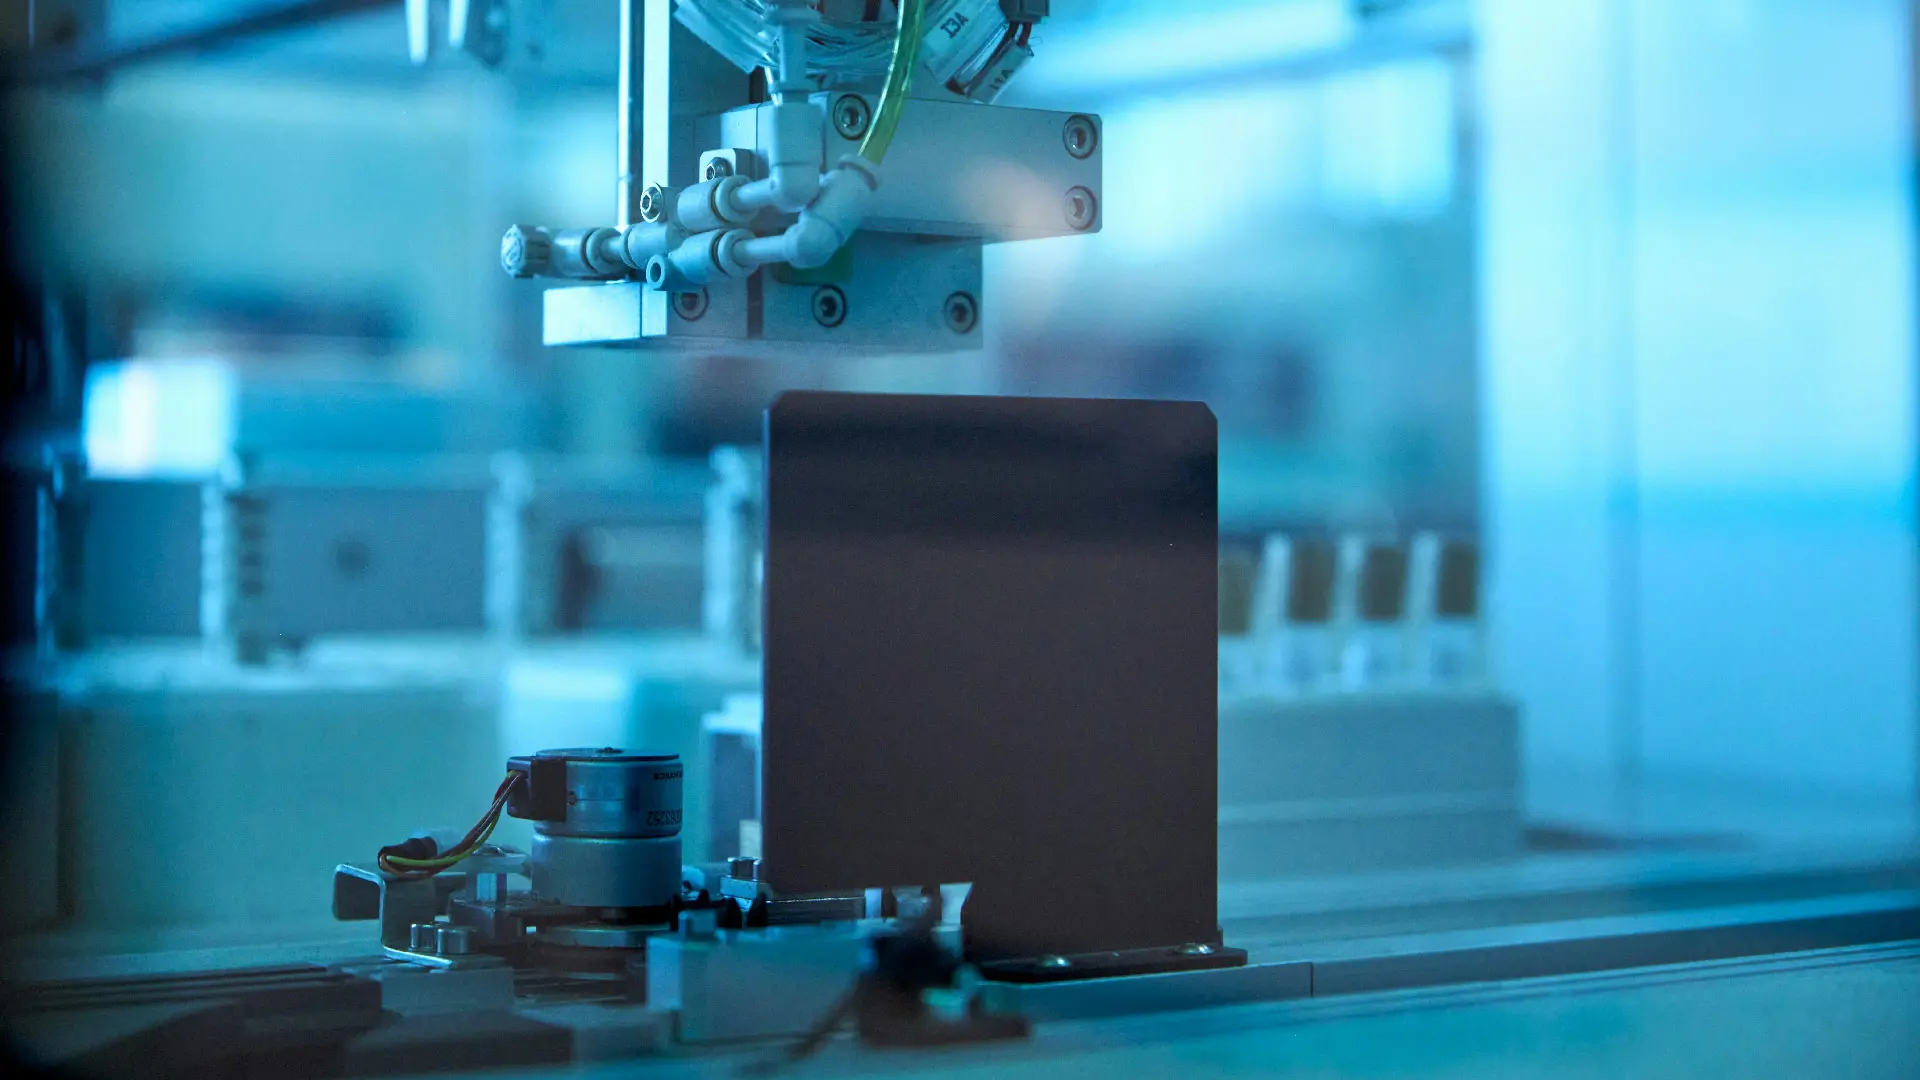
(851, 116)
(829, 306)
(1081, 136)
(453, 940)
(962, 312)
(653, 204)
(1082, 208)
(688, 305)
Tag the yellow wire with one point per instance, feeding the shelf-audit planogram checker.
(893, 93)
(443, 861)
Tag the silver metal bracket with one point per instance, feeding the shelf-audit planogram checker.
(450, 963)
(367, 892)
(362, 891)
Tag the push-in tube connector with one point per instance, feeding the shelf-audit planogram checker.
(596, 254)
(710, 205)
(826, 224)
(528, 251)
(793, 161)
(701, 260)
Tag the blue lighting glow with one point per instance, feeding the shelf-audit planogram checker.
(149, 418)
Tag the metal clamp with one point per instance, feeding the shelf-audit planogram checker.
(362, 891)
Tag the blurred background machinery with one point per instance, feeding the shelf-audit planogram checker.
(1563, 362)
(1390, 359)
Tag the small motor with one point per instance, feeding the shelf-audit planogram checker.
(606, 831)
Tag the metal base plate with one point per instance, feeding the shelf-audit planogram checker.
(598, 935)
(1048, 969)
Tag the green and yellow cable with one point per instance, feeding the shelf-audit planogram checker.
(893, 94)
(402, 866)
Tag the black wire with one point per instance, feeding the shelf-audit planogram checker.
(919, 926)
(810, 1043)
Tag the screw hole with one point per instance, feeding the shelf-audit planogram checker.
(1081, 136)
(829, 306)
(690, 305)
(962, 312)
(851, 116)
(1082, 208)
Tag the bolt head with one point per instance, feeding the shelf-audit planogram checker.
(1081, 136)
(962, 313)
(829, 306)
(453, 941)
(525, 251)
(851, 116)
(653, 203)
(688, 305)
(1082, 208)
(718, 168)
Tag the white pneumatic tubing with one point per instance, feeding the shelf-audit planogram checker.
(794, 140)
(793, 161)
(710, 205)
(825, 225)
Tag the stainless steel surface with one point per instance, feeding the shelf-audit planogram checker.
(896, 293)
(630, 150)
(618, 845)
(412, 989)
(600, 935)
(400, 904)
(956, 168)
(611, 793)
(453, 941)
(752, 984)
(1617, 943)
(1844, 1012)
(603, 872)
(1090, 998)
(438, 961)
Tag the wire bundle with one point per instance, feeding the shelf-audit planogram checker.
(419, 857)
(737, 30)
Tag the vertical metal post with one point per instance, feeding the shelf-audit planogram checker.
(632, 111)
